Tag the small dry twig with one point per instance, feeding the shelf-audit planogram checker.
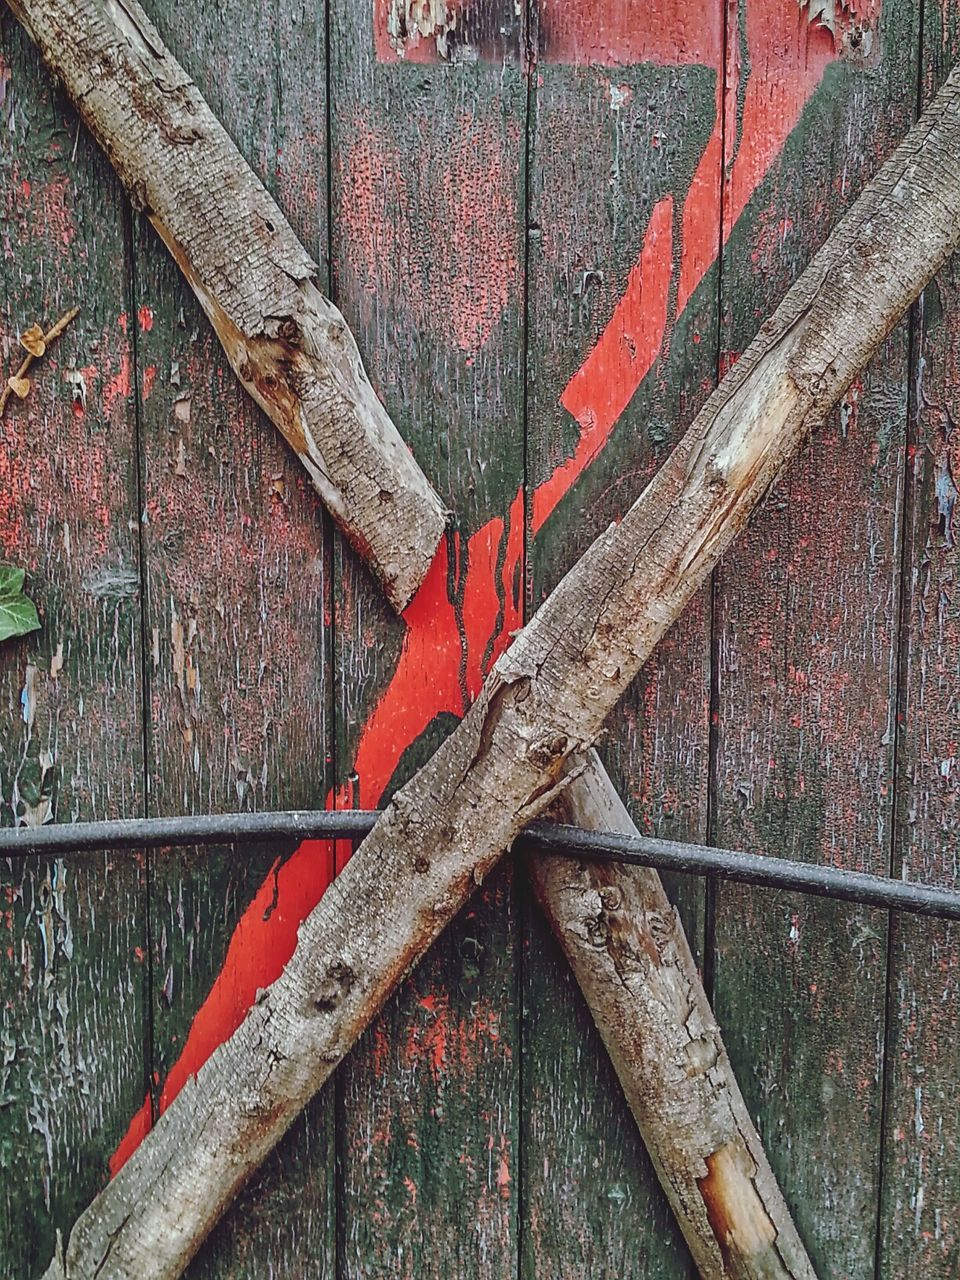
(35, 342)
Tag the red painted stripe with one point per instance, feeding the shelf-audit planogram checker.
(605, 383)
(788, 59)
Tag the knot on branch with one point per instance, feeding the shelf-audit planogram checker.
(339, 982)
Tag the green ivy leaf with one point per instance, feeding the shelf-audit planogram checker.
(18, 615)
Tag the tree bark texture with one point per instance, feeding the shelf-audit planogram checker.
(627, 948)
(287, 343)
(542, 706)
(169, 226)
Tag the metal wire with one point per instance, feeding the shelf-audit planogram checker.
(666, 855)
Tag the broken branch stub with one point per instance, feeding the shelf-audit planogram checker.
(627, 948)
(541, 707)
(288, 344)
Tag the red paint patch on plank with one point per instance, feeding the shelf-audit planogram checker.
(117, 386)
(605, 383)
(462, 271)
(596, 33)
(788, 56)
(613, 33)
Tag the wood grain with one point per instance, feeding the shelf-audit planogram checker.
(543, 703)
(237, 560)
(606, 256)
(428, 267)
(807, 612)
(73, 982)
(921, 1190)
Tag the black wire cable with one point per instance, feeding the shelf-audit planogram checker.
(665, 855)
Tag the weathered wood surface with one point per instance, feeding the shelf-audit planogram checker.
(920, 1233)
(285, 341)
(237, 569)
(544, 702)
(806, 647)
(427, 217)
(915, 1227)
(72, 1069)
(608, 354)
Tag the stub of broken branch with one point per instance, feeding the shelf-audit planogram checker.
(36, 343)
(288, 344)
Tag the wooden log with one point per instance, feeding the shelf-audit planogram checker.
(630, 955)
(237, 575)
(287, 343)
(544, 703)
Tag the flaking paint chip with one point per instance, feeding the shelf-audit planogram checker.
(32, 340)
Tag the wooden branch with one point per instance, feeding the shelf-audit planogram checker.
(173, 156)
(627, 947)
(36, 343)
(289, 346)
(543, 704)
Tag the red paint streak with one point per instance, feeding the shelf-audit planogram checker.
(149, 377)
(605, 383)
(145, 319)
(138, 1129)
(426, 683)
(788, 58)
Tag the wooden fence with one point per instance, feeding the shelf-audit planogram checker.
(550, 228)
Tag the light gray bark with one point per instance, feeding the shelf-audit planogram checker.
(173, 155)
(626, 945)
(287, 343)
(539, 711)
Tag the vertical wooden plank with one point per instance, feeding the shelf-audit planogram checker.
(72, 983)
(623, 350)
(237, 568)
(428, 136)
(921, 1186)
(807, 612)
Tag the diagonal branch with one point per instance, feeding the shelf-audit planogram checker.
(250, 273)
(627, 948)
(540, 709)
(286, 342)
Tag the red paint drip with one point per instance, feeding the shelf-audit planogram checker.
(149, 378)
(118, 386)
(790, 56)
